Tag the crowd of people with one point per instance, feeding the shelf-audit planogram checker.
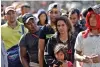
(55, 40)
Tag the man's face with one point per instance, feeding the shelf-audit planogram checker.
(53, 13)
(62, 27)
(73, 18)
(93, 20)
(11, 16)
(25, 10)
(31, 25)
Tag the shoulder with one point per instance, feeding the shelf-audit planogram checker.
(46, 26)
(19, 23)
(19, 17)
(24, 36)
(54, 37)
(80, 34)
(4, 25)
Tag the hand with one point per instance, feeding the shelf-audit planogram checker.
(54, 65)
(95, 58)
(87, 59)
(64, 64)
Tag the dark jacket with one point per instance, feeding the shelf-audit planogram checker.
(79, 26)
(49, 50)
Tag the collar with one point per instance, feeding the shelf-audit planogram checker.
(18, 24)
(91, 34)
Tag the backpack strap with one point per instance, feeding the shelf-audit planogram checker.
(22, 26)
(35, 35)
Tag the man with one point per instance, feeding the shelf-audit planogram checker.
(48, 30)
(87, 46)
(25, 8)
(29, 42)
(12, 30)
(74, 17)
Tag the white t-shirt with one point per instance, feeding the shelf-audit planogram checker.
(88, 46)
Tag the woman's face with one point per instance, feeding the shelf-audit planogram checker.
(62, 27)
(93, 20)
(42, 17)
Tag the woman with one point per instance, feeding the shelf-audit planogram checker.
(42, 16)
(64, 36)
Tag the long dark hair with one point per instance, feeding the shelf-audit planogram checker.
(67, 22)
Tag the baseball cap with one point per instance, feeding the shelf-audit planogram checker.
(26, 17)
(9, 8)
(54, 5)
(95, 8)
(25, 5)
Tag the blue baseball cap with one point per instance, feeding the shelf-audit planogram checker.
(26, 17)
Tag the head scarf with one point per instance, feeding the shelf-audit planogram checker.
(97, 27)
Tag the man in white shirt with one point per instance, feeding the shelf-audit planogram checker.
(87, 46)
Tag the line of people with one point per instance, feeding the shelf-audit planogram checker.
(56, 40)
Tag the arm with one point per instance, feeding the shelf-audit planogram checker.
(78, 56)
(82, 58)
(23, 51)
(41, 52)
(23, 56)
(78, 50)
(41, 46)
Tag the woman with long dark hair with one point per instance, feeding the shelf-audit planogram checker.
(64, 36)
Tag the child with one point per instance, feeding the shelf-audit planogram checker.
(61, 55)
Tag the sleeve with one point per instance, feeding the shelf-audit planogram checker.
(49, 54)
(78, 43)
(42, 33)
(22, 41)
